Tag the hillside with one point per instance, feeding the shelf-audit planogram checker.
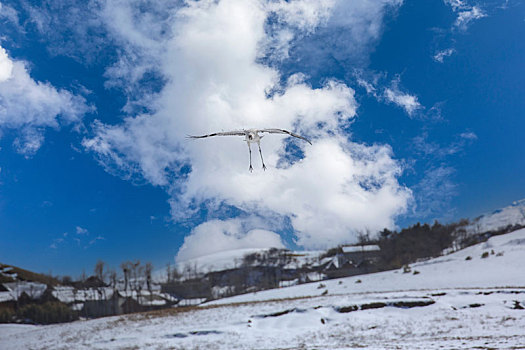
(473, 298)
(234, 258)
(503, 267)
(9, 273)
(513, 214)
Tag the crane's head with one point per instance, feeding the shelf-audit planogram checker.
(251, 135)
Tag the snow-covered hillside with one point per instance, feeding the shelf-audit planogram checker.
(504, 267)
(233, 258)
(474, 298)
(513, 214)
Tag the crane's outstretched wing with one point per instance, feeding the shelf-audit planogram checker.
(282, 131)
(224, 133)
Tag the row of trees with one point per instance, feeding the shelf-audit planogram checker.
(134, 273)
(415, 242)
(426, 241)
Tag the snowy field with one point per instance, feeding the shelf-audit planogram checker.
(458, 301)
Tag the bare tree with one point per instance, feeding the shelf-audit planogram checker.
(190, 271)
(136, 273)
(175, 274)
(113, 278)
(99, 270)
(113, 282)
(99, 273)
(126, 270)
(148, 269)
(66, 280)
(363, 237)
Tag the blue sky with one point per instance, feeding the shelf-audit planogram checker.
(415, 110)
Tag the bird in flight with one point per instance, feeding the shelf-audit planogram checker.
(252, 136)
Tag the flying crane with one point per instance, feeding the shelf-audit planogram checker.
(252, 136)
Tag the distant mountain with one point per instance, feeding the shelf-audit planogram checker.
(513, 214)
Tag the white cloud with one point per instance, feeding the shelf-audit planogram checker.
(436, 189)
(402, 99)
(440, 55)
(214, 81)
(429, 149)
(467, 16)
(435, 192)
(82, 239)
(32, 106)
(29, 141)
(305, 15)
(469, 135)
(466, 13)
(81, 231)
(377, 86)
(56, 242)
(94, 240)
(456, 4)
(316, 34)
(370, 88)
(6, 66)
(9, 13)
(71, 28)
(217, 235)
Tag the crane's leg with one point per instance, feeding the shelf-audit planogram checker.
(250, 149)
(260, 152)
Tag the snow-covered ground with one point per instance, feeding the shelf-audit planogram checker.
(458, 301)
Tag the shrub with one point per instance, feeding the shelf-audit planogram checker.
(49, 312)
(6, 315)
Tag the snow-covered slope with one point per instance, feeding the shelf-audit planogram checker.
(458, 301)
(504, 267)
(233, 258)
(513, 214)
